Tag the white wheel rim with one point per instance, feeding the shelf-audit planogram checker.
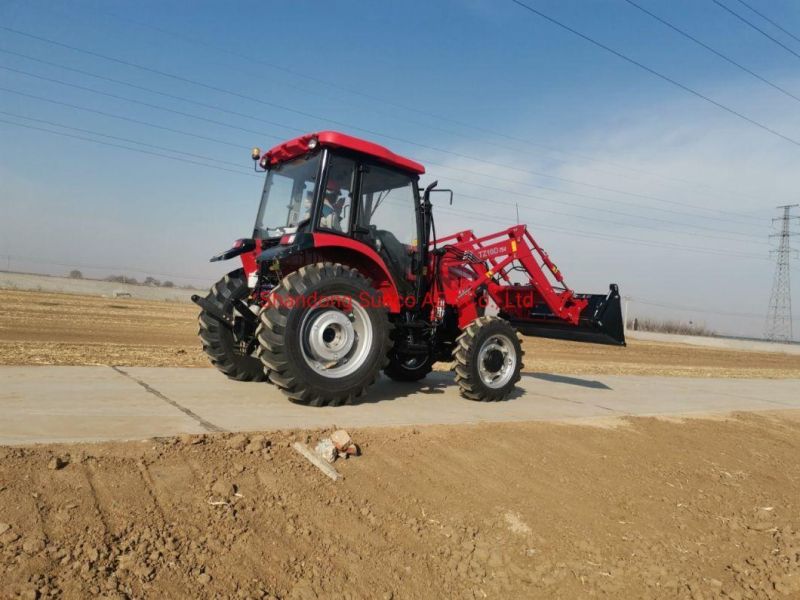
(336, 336)
(497, 361)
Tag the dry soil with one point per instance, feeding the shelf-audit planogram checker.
(649, 509)
(60, 329)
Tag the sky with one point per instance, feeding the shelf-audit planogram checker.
(621, 176)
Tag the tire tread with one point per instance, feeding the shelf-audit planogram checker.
(271, 334)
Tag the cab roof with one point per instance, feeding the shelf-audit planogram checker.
(333, 139)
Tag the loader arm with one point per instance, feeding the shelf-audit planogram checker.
(470, 269)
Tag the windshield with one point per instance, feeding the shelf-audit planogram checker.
(288, 196)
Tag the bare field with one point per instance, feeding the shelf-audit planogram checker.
(61, 329)
(648, 509)
(635, 508)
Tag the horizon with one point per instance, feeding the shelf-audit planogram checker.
(620, 177)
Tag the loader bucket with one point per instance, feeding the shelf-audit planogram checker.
(600, 322)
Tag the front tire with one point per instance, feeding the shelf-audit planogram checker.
(488, 358)
(227, 353)
(324, 335)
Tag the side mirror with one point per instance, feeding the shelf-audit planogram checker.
(446, 192)
(431, 189)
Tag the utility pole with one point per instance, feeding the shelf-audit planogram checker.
(779, 318)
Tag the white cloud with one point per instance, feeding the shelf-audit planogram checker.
(727, 176)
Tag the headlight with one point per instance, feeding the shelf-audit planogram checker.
(313, 143)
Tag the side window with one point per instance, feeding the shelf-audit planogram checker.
(337, 197)
(387, 207)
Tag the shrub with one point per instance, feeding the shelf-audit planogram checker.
(669, 326)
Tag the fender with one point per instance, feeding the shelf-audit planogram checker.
(247, 249)
(240, 246)
(359, 255)
(329, 247)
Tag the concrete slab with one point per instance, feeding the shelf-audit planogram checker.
(63, 404)
(95, 403)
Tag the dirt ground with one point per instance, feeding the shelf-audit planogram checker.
(641, 508)
(649, 509)
(61, 329)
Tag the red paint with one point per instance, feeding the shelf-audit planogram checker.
(358, 255)
(248, 259)
(333, 139)
(461, 278)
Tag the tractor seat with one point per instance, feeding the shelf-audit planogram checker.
(394, 252)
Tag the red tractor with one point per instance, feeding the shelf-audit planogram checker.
(344, 277)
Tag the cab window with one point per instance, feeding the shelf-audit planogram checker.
(287, 197)
(388, 211)
(337, 197)
(388, 204)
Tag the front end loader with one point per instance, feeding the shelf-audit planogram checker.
(344, 277)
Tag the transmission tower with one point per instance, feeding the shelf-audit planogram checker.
(779, 318)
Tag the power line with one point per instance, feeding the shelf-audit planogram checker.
(532, 209)
(120, 117)
(756, 27)
(698, 310)
(510, 192)
(571, 215)
(123, 147)
(609, 237)
(155, 91)
(334, 85)
(518, 194)
(142, 88)
(570, 232)
(766, 18)
(193, 101)
(140, 103)
(121, 139)
(224, 110)
(712, 50)
(611, 200)
(214, 160)
(666, 78)
(251, 99)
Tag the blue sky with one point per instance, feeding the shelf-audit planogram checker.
(600, 151)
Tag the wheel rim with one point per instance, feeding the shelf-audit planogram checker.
(497, 361)
(412, 363)
(336, 336)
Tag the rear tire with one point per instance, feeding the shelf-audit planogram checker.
(324, 335)
(488, 358)
(223, 349)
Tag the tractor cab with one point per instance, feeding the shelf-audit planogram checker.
(330, 184)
